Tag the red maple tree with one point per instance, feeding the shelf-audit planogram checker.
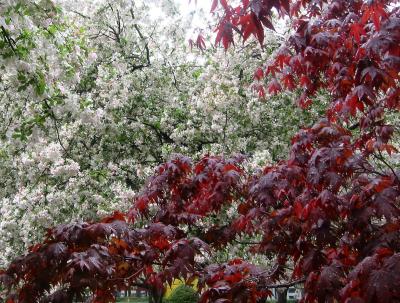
(332, 209)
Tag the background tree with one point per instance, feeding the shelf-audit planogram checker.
(95, 95)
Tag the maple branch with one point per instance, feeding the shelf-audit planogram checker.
(382, 159)
(130, 277)
(269, 273)
(365, 169)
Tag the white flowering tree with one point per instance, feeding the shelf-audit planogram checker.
(94, 95)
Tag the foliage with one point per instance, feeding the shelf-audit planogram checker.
(341, 176)
(176, 283)
(331, 210)
(183, 294)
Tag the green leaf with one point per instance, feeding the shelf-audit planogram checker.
(40, 84)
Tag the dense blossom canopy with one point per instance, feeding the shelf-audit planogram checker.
(94, 96)
(327, 216)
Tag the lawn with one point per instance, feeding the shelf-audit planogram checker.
(133, 300)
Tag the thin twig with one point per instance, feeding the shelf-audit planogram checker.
(10, 40)
(54, 118)
(131, 276)
(286, 285)
(382, 159)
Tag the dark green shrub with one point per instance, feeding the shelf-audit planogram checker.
(183, 294)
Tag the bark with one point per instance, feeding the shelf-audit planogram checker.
(282, 295)
(155, 296)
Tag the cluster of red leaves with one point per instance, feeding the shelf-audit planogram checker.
(101, 257)
(235, 281)
(340, 226)
(332, 209)
(186, 193)
(199, 43)
(329, 207)
(320, 208)
(349, 48)
(114, 254)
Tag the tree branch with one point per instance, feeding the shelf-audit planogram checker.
(146, 47)
(9, 40)
(286, 285)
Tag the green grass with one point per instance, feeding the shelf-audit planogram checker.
(146, 300)
(133, 300)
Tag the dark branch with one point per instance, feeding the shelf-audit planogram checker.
(286, 285)
(9, 40)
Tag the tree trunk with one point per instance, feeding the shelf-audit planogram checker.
(155, 296)
(282, 295)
